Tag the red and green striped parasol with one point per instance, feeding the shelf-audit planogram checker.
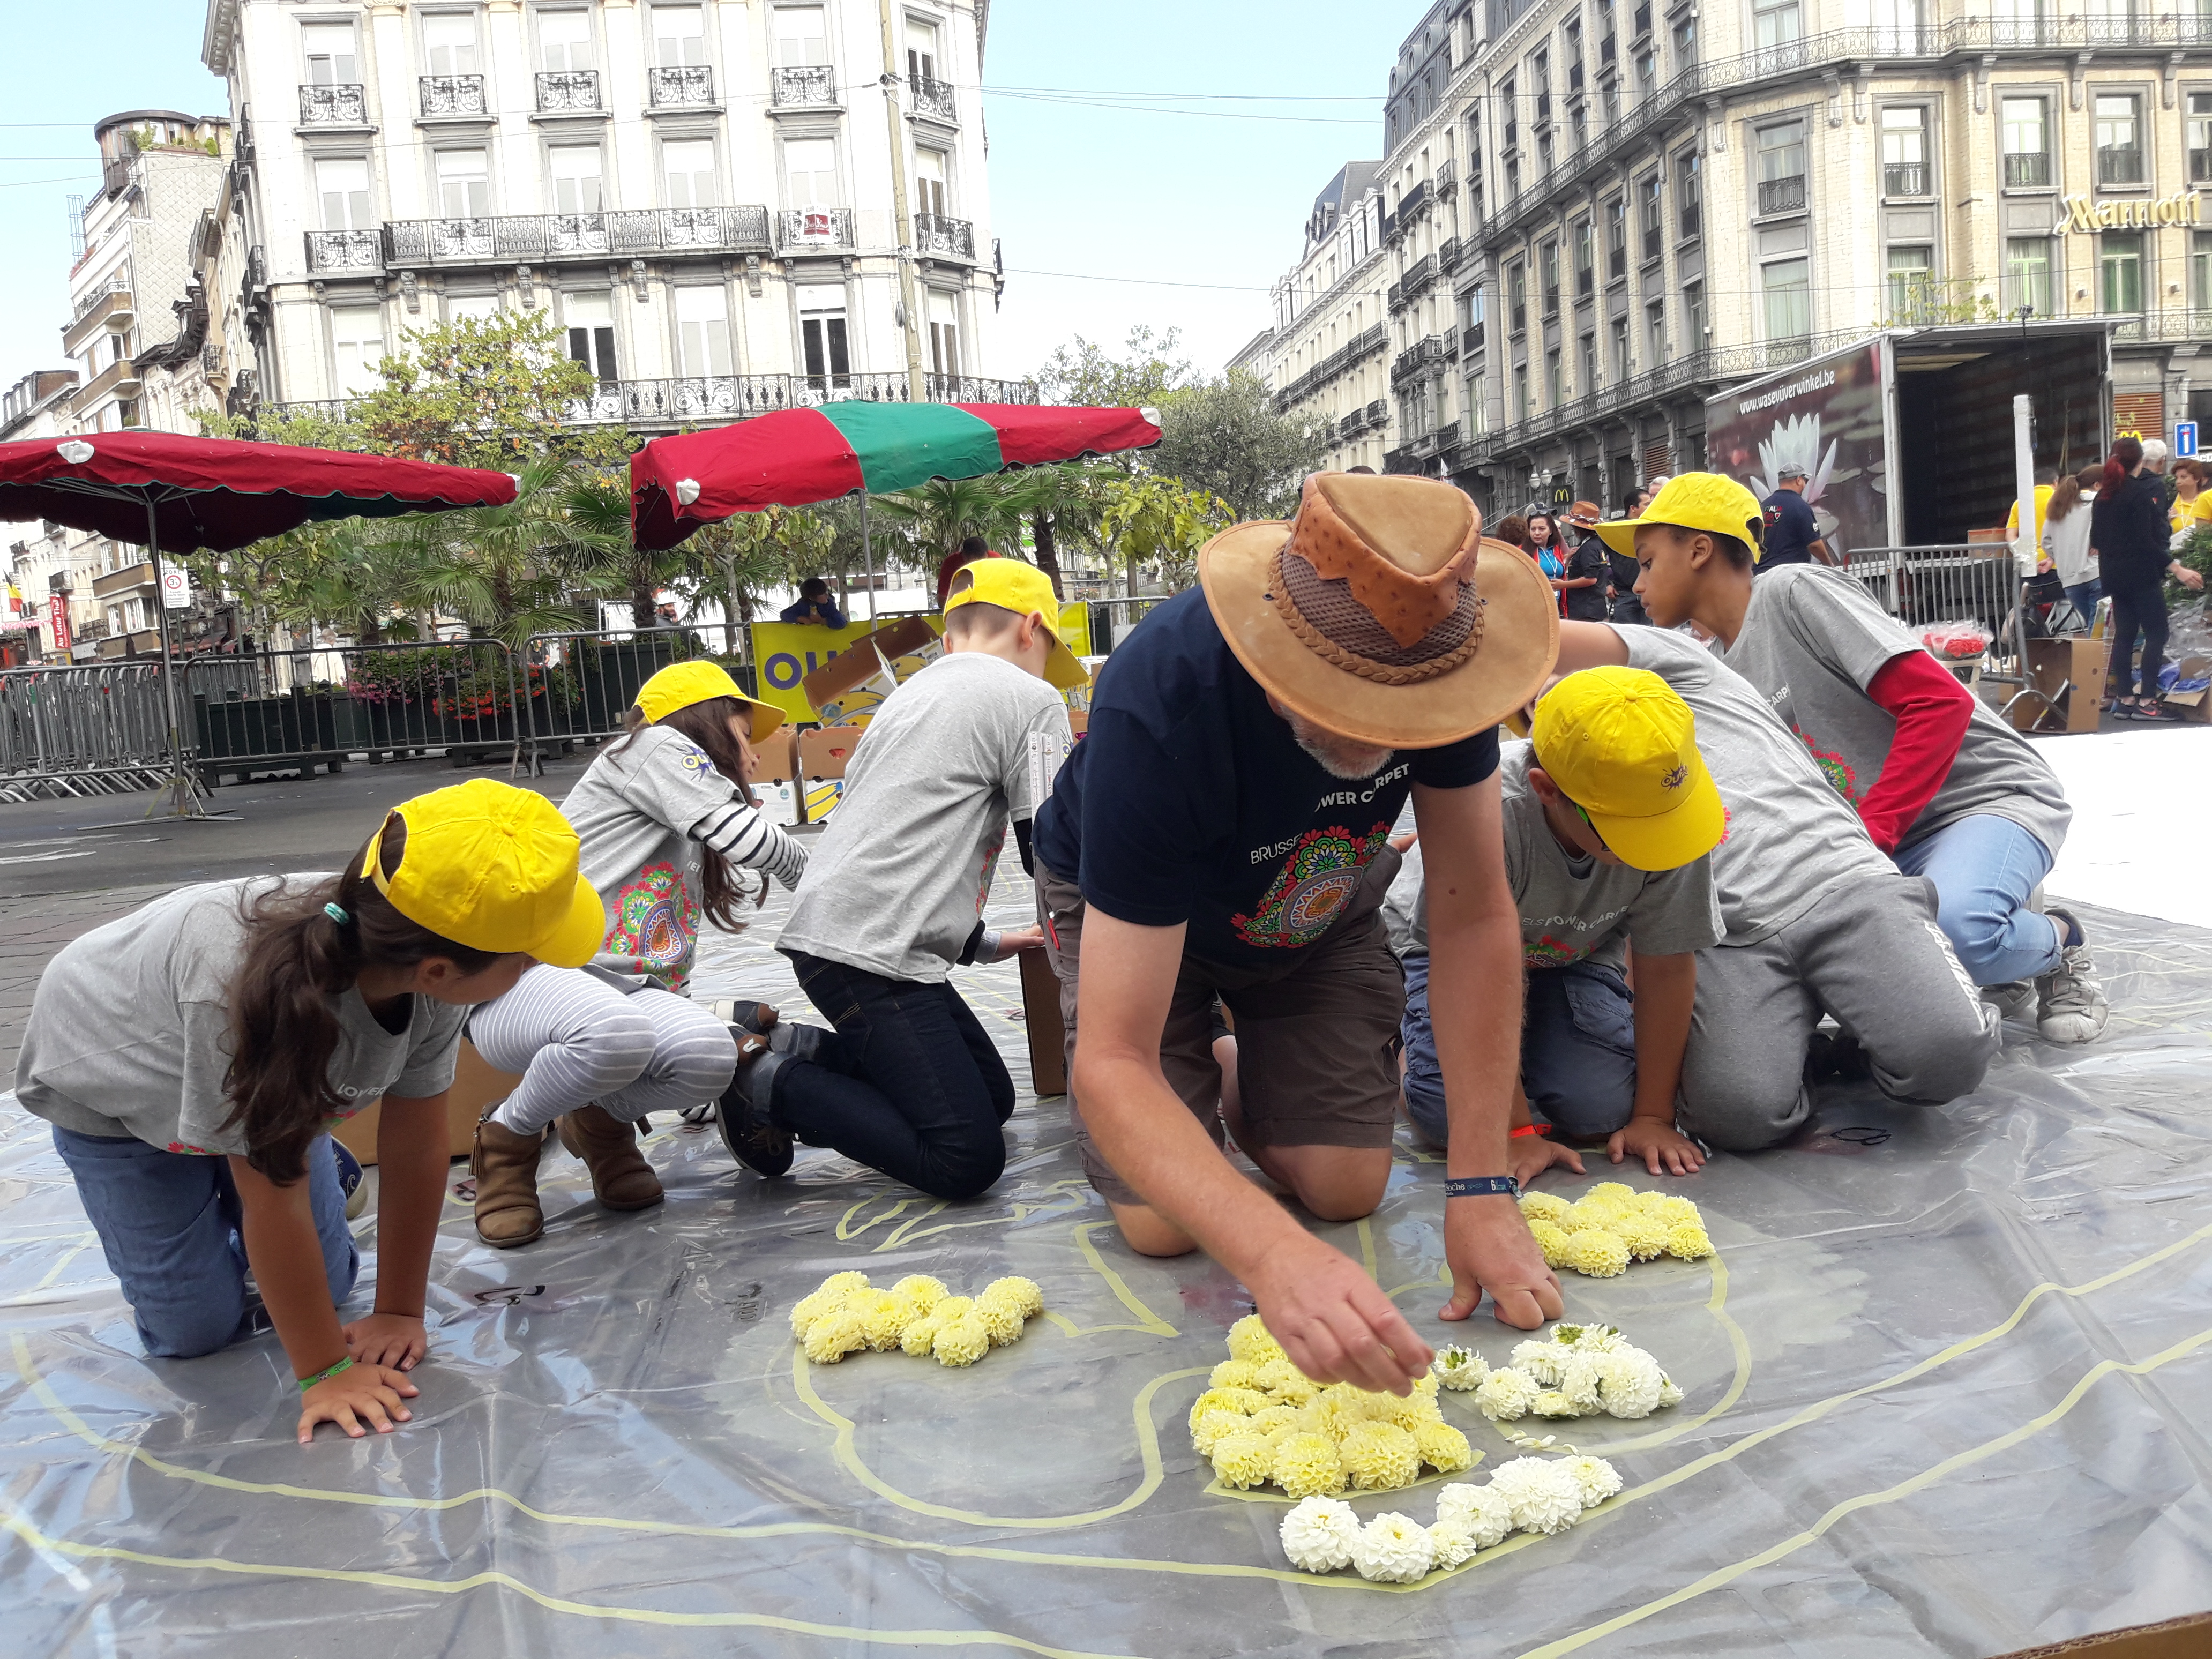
(800, 457)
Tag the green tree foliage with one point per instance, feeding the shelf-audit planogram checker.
(734, 563)
(1064, 505)
(1152, 521)
(1083, 372)
(1227, 436)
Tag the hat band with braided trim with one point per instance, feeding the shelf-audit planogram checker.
(1334, 626)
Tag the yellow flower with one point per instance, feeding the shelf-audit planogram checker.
(1249, 1339)
(1670, 1207)
(832, 1336)
(1243, 1402)
(1543, 1206)
(1243, 1459)
(921, 1289)
(1551, 1239)
(1216, 1425)
(883, 1317)
(1425, 1386)
(1381, 1457)
(1612, 1191)
(1409, 1413)
(1599, 1254)
(1274, 1420)
(1235, 1373)
(1025, 1291)
(1307, 1465)
(1586, 1216)
(826, 1299)
(1001, 1317)
(1645, 1235)
(962, 1342)
(1687, 1240)
(919, 1336)
(1298, 1389)
(1444, 1448)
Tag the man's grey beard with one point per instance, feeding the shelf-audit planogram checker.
(1339, 765)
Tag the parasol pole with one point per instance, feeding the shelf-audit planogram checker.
(868, 556)
(183, 790)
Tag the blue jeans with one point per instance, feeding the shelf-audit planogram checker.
(2082, 595)
(1983, 868)
(1577, 1050)
(912, 1086)
(168, 1224)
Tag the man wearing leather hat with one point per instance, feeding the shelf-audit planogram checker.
(1223, 831)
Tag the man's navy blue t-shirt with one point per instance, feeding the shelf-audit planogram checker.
(1189, 801)
(1790, 532)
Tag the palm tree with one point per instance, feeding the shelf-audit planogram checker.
(511, 571)
(734, 562)
(598, 506)
(934, 517)
(1059, 503)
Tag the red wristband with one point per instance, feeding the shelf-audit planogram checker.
(1530, 1129)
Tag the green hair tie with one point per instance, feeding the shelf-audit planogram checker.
(336, 913)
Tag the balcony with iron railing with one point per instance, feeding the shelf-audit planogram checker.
(680, 86)
(1448, 253)
(1424, 355)
(2027, 170)
(937, 237)
(1357, 350)
(799, 229)
(449, 95)
(344, 105)
(802, 86)
(934, 100)
(1419, 276)
(109, 307)
(562, 92)
(2120, 164)
(118, 173)
(1616, 262)
(343, 251)
(116, 282)
(1786, 195)
(1470, 339)
(530, 238)
(1903, 178)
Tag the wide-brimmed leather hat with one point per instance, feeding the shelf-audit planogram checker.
(1381, 613)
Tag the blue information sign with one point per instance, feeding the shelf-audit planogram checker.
(2184, 438)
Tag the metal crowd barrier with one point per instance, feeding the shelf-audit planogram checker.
(93, 730)
(1972, 582)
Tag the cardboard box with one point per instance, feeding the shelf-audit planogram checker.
(2053, 664)
(857, 661)
(2195, 705)
(475, 1086)
(1041, 1020)
(2187, 1638)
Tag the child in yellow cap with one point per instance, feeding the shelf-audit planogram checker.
(667, 820)
(193, 1054)
(1609, 814)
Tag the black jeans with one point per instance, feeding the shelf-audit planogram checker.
(914, 1089)
(2137, 604)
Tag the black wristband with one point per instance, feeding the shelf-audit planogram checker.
(1481, 1187)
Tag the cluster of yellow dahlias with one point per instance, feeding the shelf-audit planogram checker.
(1264, 1421)
(1613, 1225)
(917, 1316)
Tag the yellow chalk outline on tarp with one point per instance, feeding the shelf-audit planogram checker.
(932, 1638)
(1904, 1488)
(905, 1232)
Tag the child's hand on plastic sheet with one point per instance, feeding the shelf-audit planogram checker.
(382, 1339)
(1658, 1144)
(373, 1393)
(1534, 1154)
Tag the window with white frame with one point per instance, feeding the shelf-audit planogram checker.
(1787, 288)
(2027, 274)
(1911, 278)
(929, 170)
(2119, 139)
(590, 319)
(821, 335)
(2200, 271)
(687, 172)
(564, 41)
(356, 348)
(801, 37)
(333, 56)
(1776, 22)
(809, 173)
(449, 42)
(943, 334)
(679, 36)
(482, 307)
(2025, 125)
(2120, 272)
(920, 49)
(464, 183)
(342, 183)
(702, 330)
(2200, 138)
(1904, 170)
(576, 178)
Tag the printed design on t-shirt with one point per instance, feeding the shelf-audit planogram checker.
(1839, 771)
(1549, 952)
(1312, 888)
(695, 760)
(196, 1151)
(656, 925)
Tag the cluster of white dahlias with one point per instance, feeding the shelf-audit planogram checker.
(1538, 1495)
(1580, 1371)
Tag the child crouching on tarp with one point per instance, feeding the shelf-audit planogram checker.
(193, 1054)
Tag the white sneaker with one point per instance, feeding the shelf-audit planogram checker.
(2012, 999)
(2070, 1005)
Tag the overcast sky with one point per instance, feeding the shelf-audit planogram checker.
(1120, 185)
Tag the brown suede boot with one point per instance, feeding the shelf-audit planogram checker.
(621, 1178)
(505, 1165)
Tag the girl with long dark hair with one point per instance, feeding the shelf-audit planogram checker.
(668, 820)
(1544, 547)
(193, 1055)
(2128, 537)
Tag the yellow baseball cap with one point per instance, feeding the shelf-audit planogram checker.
(1623, 747)
(682, 683)
(492, 867)
(1013, 586)
(1694, 500)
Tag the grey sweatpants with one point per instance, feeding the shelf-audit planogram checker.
(578, 1040)
(1870, 954)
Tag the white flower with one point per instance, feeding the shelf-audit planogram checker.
(1542, 1360)
(1590, 1338)
(1485, 1513)
(1544, 1495)
(1579, 1379)
(1318, 1535)
(1460, 1368)
(1598, 1479)
(1668, 1393)
(1630, 1380)
(1451, 1544)
(1393, 1549)
(1550, 1402)
(1505, 1394)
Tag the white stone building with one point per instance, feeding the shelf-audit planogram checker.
(1326, 354)
(704, 194)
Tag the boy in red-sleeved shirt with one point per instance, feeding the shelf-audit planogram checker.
(1946, 789)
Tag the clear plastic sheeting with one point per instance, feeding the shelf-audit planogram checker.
(1947, 1383)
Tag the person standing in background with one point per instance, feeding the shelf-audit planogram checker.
(1583, 591)
(2191, 505)
(2129, 538)
(2155, 473)
(1792, 535)
(2066, 539)
(1623, 570)
(2046, 480)
(1544, 547)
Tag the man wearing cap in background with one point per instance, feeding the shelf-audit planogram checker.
(1609, 814)
(892, 900)
(1582, 592)
(1224, 830)
(1792, 535)
(1817, 919)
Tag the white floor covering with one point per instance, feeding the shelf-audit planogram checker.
(2142, 804)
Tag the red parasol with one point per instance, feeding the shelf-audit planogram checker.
(167, 492)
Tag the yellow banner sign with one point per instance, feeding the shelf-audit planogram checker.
(786, 653)
(2084, 215)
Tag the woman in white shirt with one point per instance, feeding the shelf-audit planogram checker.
(2066, 538)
